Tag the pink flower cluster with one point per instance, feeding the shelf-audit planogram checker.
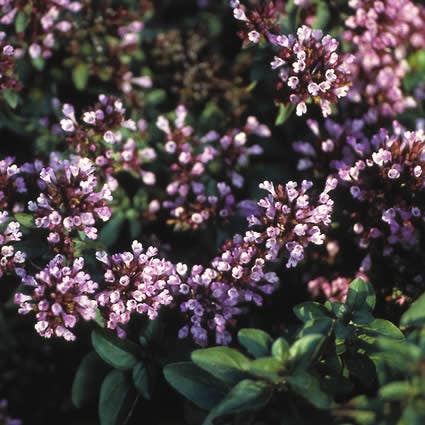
(46, 19)
(111, 141)
(389, 181)
(332, 290)
(70, 200)
(286, 221)
(60, 295)
(136, 281)
(8, 80)
(10, 259)
(311, 70)
(4, 418)
(310, 67)
(189, 200)
(260, 21)
(383, 32)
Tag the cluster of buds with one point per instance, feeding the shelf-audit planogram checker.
(184, 64)
(69, 200)
(260, 21)
(111, 34)
(111, 141)
(135, 282)
(5, 419)
(388, 184)
(332, 290)
(383, 32)
(46, 19)
(189, 202)
(59, 295)
(10, 260)
(8, 80)
(286, 221)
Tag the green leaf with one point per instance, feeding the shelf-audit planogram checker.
(415, 315)
(87, 380)
(195, 384)
(256, 342)
(280, 350)
(267, 368)
(361, 295)
(322, 16)
(11, 97)
(38, 63)
(308, 387)
(224, 363)
(26, 220)
(395, 391)
(112, 230)
(155, 97)
(399, 355)
(320, 326)
(305, 351)
(141, 380)
(80, 76)
(119, 353)
(117, 397)
(310, 310)
(246, 396)
(21, 21)
(362, 317)
(153, 331)
(381, 327)
(284, 113)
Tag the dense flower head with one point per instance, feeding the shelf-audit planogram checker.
(379, 93)
(286, 221)
(383, 33)
(189, 200)
(109, 139)
(134, 282)
(5, 419)
(59, 295)
(10, 259)
(311, 69)
(46, 20)
(70, 200)
(378, 27)
(389, 181)
(8, 80)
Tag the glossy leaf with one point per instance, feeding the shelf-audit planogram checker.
(255, 341)
(119, 353)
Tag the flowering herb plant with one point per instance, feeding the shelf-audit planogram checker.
(212, 212)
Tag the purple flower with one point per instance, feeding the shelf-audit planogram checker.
(311, 69)
(135, 282)
(10, 259)
(70, 200)
(59, 296)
